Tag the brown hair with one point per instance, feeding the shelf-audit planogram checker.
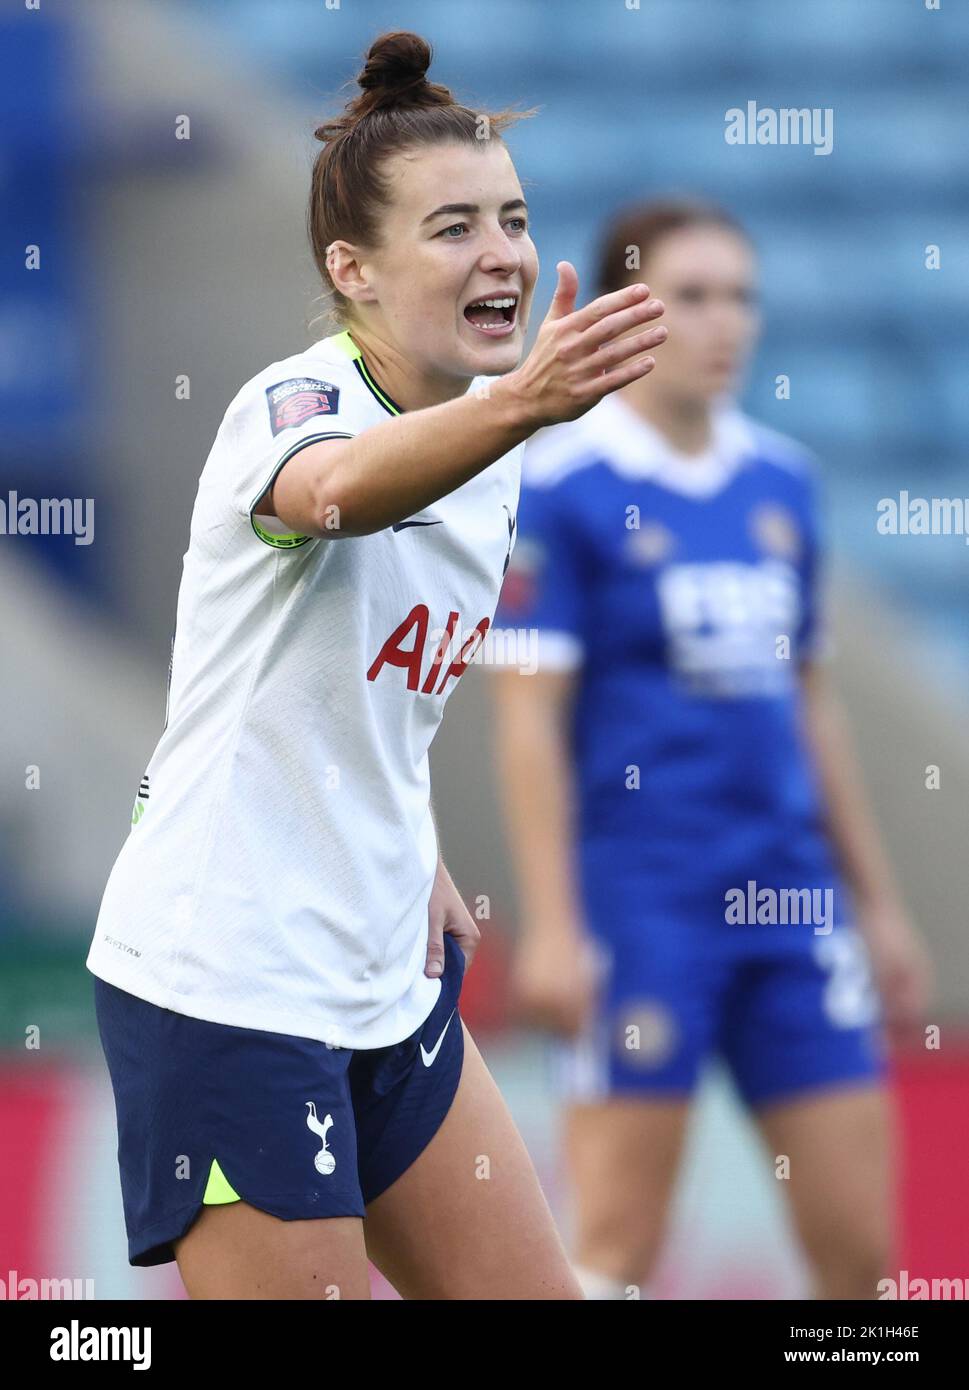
(397, 109)
(643, 225)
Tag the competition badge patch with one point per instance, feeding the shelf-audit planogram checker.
(291, 402)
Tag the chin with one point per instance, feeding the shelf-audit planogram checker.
(497, 364)
(494, 359)
(502, 356)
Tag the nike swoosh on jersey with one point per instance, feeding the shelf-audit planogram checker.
(399, 525)
(428, 1057)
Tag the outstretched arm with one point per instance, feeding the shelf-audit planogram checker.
(353, 487)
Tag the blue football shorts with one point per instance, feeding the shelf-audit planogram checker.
(786, 1015)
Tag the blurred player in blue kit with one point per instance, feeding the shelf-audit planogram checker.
(699, 873)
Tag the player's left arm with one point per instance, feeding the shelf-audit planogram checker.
(901, 963)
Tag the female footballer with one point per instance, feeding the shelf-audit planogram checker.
(684, 804)
(280, 948)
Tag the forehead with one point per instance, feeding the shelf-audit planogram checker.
(705, 252)
(421, 180)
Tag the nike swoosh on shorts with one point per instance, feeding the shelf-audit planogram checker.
(428, 1057)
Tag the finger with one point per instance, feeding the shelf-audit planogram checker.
(434, 961)
(563, 300)
(612, 381)
(614, 325)
(617, 353)
(607, 304)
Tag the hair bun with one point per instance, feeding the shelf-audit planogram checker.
(396, 66)
(392, 79)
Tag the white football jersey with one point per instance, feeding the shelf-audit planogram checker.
(282, 853)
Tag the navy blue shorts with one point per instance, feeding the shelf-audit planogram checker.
(209, 1113)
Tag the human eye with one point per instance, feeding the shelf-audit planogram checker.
(522, 223)
(453, 227)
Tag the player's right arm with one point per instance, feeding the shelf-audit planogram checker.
(390, 471)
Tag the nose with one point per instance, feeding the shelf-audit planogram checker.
(500, 254)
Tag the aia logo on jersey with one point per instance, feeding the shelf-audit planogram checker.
(411, 658)
(291, 402)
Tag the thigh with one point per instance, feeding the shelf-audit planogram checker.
(839, 1146)
(622, 1157)
(623, 1154)
(237, 1251)
(626, 1083)
(468, 1219)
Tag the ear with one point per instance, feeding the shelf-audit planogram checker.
(348, 272)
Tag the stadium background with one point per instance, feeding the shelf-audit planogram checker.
(164, 258)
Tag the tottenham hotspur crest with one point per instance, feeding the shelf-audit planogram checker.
(325, 1161)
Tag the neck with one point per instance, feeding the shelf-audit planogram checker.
(685, 422)
(408, 386)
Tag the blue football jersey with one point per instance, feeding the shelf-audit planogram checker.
(682, 593)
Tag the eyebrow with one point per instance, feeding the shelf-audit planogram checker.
(471, 208)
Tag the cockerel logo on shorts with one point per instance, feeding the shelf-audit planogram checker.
(291, 402)
(324, 1161)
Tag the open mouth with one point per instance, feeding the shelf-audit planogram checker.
(494, 316)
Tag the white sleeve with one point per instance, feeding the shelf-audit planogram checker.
(270, 420)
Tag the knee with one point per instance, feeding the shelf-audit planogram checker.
(620, 1243)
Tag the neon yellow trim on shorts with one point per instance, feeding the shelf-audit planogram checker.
(217, 1189)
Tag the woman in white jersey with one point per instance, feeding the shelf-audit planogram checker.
(280, 948)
